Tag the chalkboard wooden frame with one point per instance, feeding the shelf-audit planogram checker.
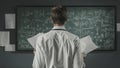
(115, 48)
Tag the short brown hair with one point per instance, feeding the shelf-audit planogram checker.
(59, 14)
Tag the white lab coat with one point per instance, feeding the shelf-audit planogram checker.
(59, 48)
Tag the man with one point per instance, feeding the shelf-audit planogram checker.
(58, 48)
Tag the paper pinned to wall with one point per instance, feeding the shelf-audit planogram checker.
(118, 27)
(87, 45)
(4, 38)
(5, 41)
(10, 47)
(10, 21)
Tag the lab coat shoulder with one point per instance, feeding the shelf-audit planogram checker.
(49, 35)
(72, 36)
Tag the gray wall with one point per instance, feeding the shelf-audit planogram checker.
(102, 59)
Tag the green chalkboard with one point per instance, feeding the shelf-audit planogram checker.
(96, 21)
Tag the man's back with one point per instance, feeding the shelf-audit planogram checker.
(58, 49)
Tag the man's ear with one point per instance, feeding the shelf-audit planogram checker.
(51, 18)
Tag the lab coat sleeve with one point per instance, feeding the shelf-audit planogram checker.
(32, 40)
(78, 61)
(39, 57)
(87, 45)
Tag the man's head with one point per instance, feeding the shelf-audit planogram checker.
(59, 15)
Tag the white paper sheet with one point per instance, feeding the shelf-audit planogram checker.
(118, 27)
(10, 47)
(4, 38)
(10, 21)
(32, 40)
(87, 45)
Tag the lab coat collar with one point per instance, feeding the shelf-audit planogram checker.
(59, 27)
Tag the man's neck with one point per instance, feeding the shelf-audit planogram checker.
(58, 24)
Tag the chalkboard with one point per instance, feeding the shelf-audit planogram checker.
(96, 21)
